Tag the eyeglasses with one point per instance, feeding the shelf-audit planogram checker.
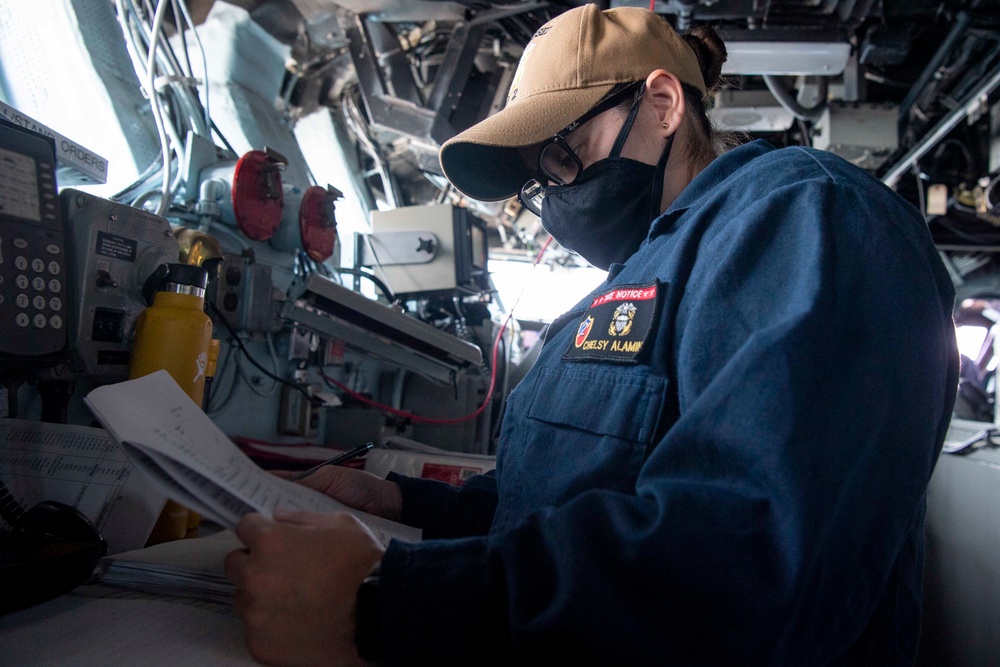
(557, 162)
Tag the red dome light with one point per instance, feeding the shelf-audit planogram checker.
(317, 223)
(257, 195)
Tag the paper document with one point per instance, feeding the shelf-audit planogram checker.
(83, 467)
(185, 455)
(190, 568)
(97, 626)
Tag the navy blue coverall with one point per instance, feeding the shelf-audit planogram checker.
(720, 456)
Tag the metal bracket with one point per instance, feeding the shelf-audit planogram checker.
(390, 94)
(328, 309)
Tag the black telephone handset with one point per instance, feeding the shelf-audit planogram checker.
(33, 272)
(47, 550)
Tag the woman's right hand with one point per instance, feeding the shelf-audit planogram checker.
(356, 488)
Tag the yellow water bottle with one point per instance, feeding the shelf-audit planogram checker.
(174, 334)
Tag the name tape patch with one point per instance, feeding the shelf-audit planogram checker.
(617, 325)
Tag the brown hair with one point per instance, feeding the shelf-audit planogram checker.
(710, 51)
(705, 143)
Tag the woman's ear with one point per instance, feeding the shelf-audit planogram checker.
(666, 96)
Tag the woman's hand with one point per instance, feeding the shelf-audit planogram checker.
(296, 585)
(356, 488)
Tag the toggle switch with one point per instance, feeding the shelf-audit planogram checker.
(104, 279)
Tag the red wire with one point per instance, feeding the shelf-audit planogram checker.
(431, 420)
(428, 420)
(651, 4)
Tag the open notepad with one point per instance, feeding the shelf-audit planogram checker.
(186, 456)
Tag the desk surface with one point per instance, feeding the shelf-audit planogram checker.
(97, 625)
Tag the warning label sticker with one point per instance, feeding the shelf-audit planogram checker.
(119, 247)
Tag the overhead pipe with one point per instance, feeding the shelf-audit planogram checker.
(787, 99)
(969, 103)
(962, 22)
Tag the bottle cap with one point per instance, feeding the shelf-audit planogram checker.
(180, 278)
(186, 274)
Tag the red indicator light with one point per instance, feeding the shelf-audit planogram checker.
(317, 223)
(257, 195)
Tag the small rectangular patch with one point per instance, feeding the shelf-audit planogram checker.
(617, 326)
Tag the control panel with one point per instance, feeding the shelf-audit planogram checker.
(114, 249)
(243, 294)
(32, 248)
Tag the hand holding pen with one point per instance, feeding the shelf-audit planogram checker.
(355, 453)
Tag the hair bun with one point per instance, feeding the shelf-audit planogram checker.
(710, 50)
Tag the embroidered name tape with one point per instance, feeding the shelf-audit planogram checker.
(617, 326)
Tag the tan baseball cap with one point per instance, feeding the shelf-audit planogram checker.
(569, 65)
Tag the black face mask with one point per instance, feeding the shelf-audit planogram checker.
(604, 215)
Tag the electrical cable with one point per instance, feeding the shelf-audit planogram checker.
(219, 378)
(166, 57)
(454, 420)
(371, 248)
(372, 277)
(235, 337)
(153, 168)
(130, 23)
(140, 201)
(970, 164)
(204, 61)
(243, 375)
(973, 75)
(444, 194)
(158, 18)
(506, 371)
(222, 138)
(180, 33)
(300, 267)
(263, 393)
(171, 88)
(181, 81)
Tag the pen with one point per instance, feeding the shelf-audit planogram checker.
(340, 458)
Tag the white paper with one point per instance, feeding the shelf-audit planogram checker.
(186, 454)
(83, 467)
(96, 626)
(192, 568)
